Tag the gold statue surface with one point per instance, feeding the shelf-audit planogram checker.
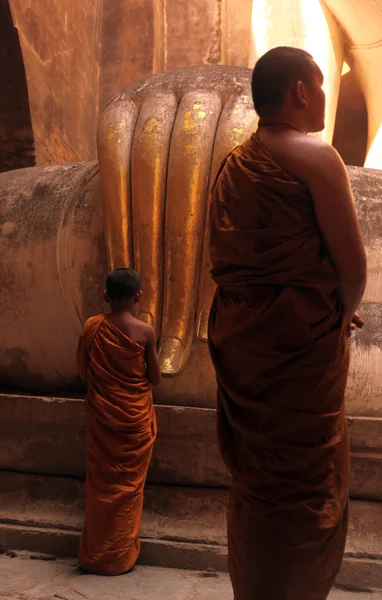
(160, 145)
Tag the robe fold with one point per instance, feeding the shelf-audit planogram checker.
(278, 343)
(121, 430)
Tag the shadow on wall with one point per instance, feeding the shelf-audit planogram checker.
(16, 134)
(350, 132)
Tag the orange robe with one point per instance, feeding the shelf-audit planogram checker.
(121, 429)
(279, 347)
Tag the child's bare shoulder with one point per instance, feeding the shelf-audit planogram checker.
(146, 330)
(141, 331)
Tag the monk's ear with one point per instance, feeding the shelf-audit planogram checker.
(138, 296)
(300, 94)
(106, 297)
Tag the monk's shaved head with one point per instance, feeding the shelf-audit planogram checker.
(275, 73)
(123, 284)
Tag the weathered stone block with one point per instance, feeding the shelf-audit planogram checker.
(59, 42)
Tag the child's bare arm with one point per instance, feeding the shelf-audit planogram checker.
(153, 369)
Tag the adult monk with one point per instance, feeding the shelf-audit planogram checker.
(117, 356)
(290, 268)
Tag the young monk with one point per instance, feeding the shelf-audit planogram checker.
(289, 263)
(117, 356)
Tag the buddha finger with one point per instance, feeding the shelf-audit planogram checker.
(236, 124)
(149, 161)
(114, 140)
(186, 201)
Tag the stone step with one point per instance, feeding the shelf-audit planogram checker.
(182, 527)
(47, 435)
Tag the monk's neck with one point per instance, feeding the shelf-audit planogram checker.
(280, 123)
(120, 311)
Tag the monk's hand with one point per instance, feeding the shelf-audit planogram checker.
(356, 323)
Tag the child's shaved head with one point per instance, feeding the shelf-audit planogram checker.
(123, 284)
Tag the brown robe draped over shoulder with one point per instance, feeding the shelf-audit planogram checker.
(121, 430)
(280, 352)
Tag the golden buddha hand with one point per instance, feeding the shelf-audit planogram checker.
(160, 145)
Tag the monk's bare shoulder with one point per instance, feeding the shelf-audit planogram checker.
(308, 158)
(146, 332)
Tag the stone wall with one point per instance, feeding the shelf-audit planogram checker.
(132, 44)
(142, 38)
(16, 135)
(59, 42)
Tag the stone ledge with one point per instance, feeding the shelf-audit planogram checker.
(360, 574)
(174, 513)
(181, 527)
(47, 435)
(356, 573)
